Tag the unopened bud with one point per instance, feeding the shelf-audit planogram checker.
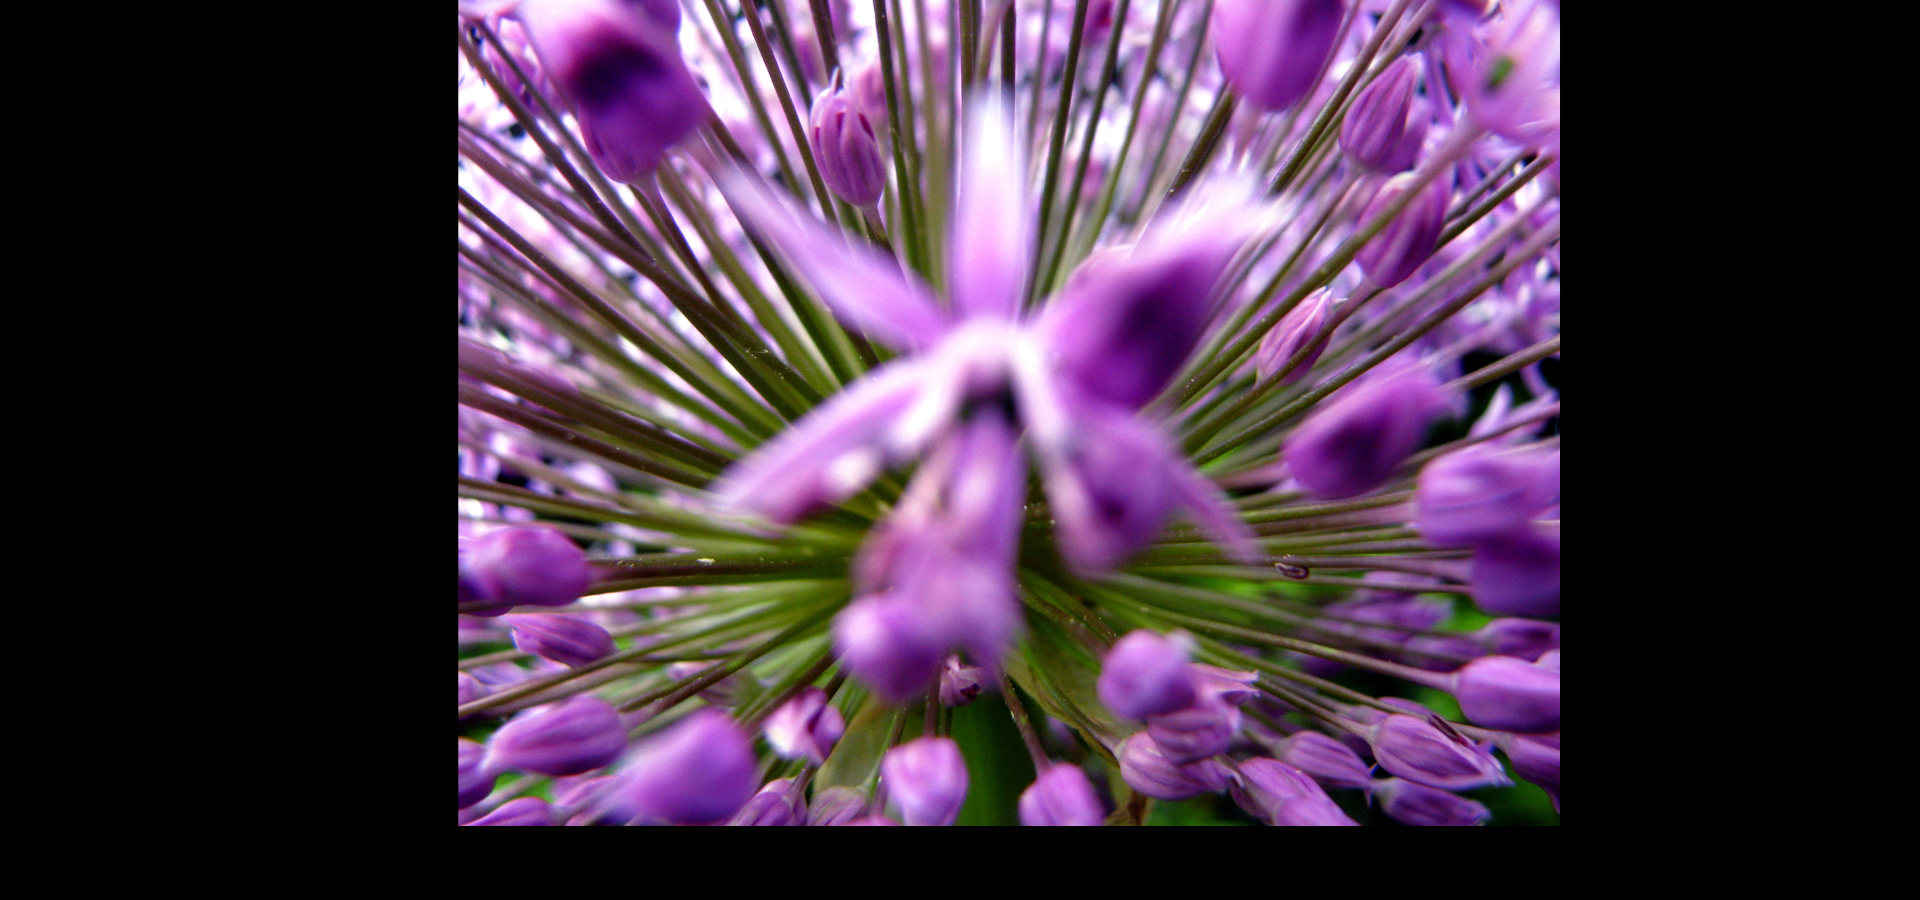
(699, 771)
(1272, 51)
(568, 640)
(579, 735)
(1279, 794)
(1353, 444)
(524, 565)
(927, 780)
(1061, 796)
(1509, 694)
(1381, 131)
(1299, 329)
(846, 146)
(1399, 249)
(1418, 751)
(805, 726)
(1478, 494)
(1411, 803)
(1146, 768)
(1147, 674)
(476, 780)
(520, 811)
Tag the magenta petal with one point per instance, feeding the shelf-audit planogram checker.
(992, 234)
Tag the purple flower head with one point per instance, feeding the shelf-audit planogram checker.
(846, 146)
(520, 811)
(1146, 768)
(1146, 674)
(806, 726)
(1061, 796)
(1353, 444)
(568, 640)
(524, 565)
(578, 735)
(1279, 794)
(927, 779)
(1478, 494)
(1385, 130)
(1299, 330)
(1509, 694)
(1418, 751)
(618, 65)
(1519, 573)
(699, 771)
(1411, 803)
(1329, 761)
(776, 805)
(476, 780)
(1394, 254)
(1272, 51)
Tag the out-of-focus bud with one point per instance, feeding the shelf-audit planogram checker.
(1271, 51)
(1279, 794)
(1519, 574)
(1410, 803)
(805, 726)
(1148, 770)
(1298, 329)
(618, 65)
(733, 690)
(578, 735)
(699, 771)
(927, 780)
(1398, 250)
(1549, 660)
(836, 805)
(1384, 131)
(1509, 694)
(775, 805)
(1061, 796)
(567, 640)
(470, 689)
(1326, 759)
(1146, 674)
(476, 780)
(1353, 445)
(1478, 494)
(520, 811)
(1523, 638)
(846, 146)
(884, 643)
(1536, 758)
(524, 565)
(1419, 751)
(1512, 87)
(959, 682)
(1206, 726)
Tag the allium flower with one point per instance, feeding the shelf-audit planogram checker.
(1163, 398)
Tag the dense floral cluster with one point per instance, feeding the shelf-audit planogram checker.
(1053, 412)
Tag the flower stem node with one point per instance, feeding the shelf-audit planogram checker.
(578, 735)
(927, 780)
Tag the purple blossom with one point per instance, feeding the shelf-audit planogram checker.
(927, 780)
(1061, 796)
(806, 726)
(698, 771)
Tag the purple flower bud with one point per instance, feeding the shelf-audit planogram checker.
(1419, 751)
(476, 780)
(959, 682)
(525, 565)
(927, 779)
(1148, 770)
(882, 641)
(1383, 131)
(699, 771)
(1352, 445)
(566, 640)
(1279, 794)
(1410, 803)
(1061, 796)
(470, 689)
(1397, 251)
(1299, 329)
(1477, 494)
(1146, 674)
(774, 806)
(621, 71)
(1523, 638)
(1509, 694)
(1206, 726)
(806, 725)
(1329, 761)
(1549, 660)
(579, 735)
(836, 805)
(519, 811)
(1519, 573)
(1272, 51)
(846, 147)
(1536, 758)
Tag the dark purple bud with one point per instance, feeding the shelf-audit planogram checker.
(1061, 796)
(1523, 638)
(927, 780)
(846, 147)
(1519, 574)
(836, 805)
(1353, 444)
(1536, 758)
(805, 726)
(1148, 770)
(959, 682)
(1398, 250)
(1478, 494)
(525, 565)
(1410, 803)
(476, 780)
(1146, 674)
(699, 771)
(1329, 761)
(621, 71)
(1382, 131)
(884, 643)
(1418, 751)
(579, 735)
(1272, 51)
(1279, 794)
(774, 806)
(519, 811)
(567, 640)
(1297, 330)
(1509, 694)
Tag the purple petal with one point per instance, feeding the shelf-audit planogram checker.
(992, 235)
